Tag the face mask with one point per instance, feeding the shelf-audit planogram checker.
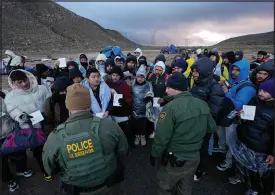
(101, 68)
(84, 64)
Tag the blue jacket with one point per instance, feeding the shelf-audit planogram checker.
(245, 94)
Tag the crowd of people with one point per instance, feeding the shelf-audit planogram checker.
(95, 112)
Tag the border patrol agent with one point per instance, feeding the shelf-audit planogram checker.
(86, 150)
(181, 127)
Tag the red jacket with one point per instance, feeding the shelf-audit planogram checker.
(122, 88)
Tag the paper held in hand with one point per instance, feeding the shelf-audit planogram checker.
(116, 98)
(155, 102)
(100, 115)
(37, 117)
(62, 62)
(2, 114)
(248, 112)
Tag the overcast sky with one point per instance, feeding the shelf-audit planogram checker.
(180, 23)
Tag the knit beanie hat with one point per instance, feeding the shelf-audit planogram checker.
(215, 50)
(230, 56)
(160, 57)
(131, 58)
(177, 81)
(268, 86)
(110, 61)
(61, 83)
(141, 71)
(181, 63)
(83, 56)
(78, 97)
(117, 70)
(240, 54)
(75, 73)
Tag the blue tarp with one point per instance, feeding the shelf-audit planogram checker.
(115, 49)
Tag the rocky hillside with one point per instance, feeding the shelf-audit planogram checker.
(46, 26)
(261, 39)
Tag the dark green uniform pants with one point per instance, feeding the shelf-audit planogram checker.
(114, 190)
(176, 180)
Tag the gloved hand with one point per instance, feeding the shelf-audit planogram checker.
(122, 101)
(25, 117)
(154, 161)
(148, 99)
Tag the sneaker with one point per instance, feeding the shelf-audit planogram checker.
(251, 192)
(152, 135)
(48, 177)
(13, 186)
(143, 140)
(137, 140)
(198, 175)
(26, 174)
(234, 180)
(224, 166)
(219, 150)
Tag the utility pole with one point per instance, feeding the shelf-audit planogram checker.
(153, 37)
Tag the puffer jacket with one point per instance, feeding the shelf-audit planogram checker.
(19, 101)
(220, 71)
(139, 93)
(267, 66)
(245, 94)
(207, 88)
(7, 124)
(258, 135)
(15, 59)
(100, 68)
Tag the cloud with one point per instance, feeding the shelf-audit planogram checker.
(207, 22)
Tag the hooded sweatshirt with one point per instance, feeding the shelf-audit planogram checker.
(158, 81)
(19, 101)
(267, 66)
(100, 68)
(15, 60)
(245, 94)
(240, 54)
(139, 51)
(207, 88)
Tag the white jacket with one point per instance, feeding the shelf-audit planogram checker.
(15, 59)
(18, 101)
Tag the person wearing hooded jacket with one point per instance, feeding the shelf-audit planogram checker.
(83, 61)
(158, 80)
(121, 115)
(100, 64)
(13, 62)
(43, 73)
(7, 125)
(55, 108)
(239, 92)
(143, 61)
(207, 89)
(254, 148)
(220, 71)
(109, 65)
(229, 58)
(140, 90)
(162, 58)
(238, 55)
(262, 72)
(138, 53)
(25, 98)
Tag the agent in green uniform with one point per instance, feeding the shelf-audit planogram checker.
(182, 125)
(86, 150)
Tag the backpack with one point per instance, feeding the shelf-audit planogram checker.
(76, 146)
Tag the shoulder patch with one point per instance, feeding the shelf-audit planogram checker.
(162, 115)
